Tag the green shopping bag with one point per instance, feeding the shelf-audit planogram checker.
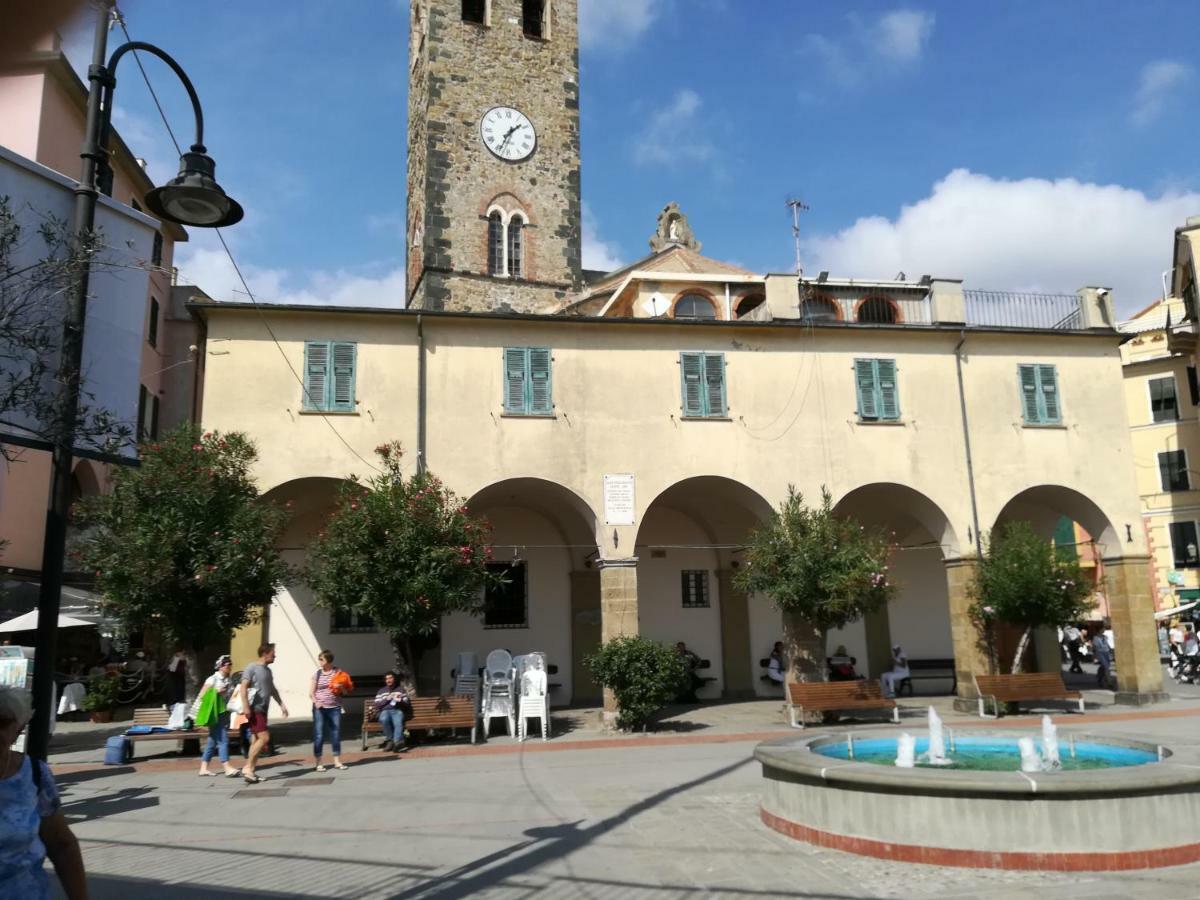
(212, 706)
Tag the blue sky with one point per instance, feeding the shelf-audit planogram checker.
(1018, 145)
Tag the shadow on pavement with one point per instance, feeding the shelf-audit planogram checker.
(109, 886)
(122, 801)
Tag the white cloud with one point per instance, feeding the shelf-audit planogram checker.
(1027, 235)
(146, 140)
(611, 23)
(597, 254)
(903, 34)
(673, 134)
(1157, 82)
(205, 265)
(897, 38)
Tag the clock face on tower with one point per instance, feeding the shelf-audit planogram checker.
(508, 133)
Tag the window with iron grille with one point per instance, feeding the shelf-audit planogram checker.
(1172, 469)
(348, 621)
(516, 247)
(506, 605)
(495, 244)
(695, 588)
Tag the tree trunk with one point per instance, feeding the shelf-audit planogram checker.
(804, 648)
(1020, 654)
(402, 650)
(191, 676)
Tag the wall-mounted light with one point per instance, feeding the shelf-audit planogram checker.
(1128, 533)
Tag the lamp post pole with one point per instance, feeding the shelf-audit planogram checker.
(191, 198)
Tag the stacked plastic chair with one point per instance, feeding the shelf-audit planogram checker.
(535, 696)
(498, 699)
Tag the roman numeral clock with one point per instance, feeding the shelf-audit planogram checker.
(508, 133)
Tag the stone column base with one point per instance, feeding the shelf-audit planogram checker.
(1140, 698)
(966, 705)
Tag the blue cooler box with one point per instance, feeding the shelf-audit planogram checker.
(118, 750)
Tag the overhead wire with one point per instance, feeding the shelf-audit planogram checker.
(120, 20)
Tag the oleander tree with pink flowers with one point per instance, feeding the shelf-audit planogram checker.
(403, 550)
(1024, 580)
(183, 544)
(822, 570)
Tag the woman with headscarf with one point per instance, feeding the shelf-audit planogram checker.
(32, 826)
(898, 673)
(211, 709)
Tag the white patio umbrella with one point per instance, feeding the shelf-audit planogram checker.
(29, 622)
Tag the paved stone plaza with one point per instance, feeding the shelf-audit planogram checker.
(674, 814)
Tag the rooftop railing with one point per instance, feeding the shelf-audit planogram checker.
(1013, 309)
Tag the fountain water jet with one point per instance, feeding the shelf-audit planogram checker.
(937, 740)
(1050, 744)
(906, 751)
(1031, 761)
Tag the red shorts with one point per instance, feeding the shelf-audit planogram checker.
(257, 721)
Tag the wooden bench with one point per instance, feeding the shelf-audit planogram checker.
(454, 711)
(930, 669)
(1015, 688)
(157, 717)
(835, 696)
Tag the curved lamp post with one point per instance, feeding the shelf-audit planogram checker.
(193, 198)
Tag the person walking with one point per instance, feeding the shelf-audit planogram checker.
(259, 679)
(211, 709)
(391, 703)
(32, 825)
(178, 671)
(1073, 638)
(327, 710)
(1102, 651)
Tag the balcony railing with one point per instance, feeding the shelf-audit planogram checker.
(1010, 309)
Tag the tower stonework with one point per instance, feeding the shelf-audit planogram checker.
(494, 214)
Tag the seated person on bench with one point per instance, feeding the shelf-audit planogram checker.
(694, 681)
(841, 665)
(898, 673)
(775, 667)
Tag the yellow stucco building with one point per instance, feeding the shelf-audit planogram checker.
(624, 431)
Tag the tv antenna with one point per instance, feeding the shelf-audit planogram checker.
(798, 206)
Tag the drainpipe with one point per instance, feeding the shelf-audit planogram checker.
(421, 464)
(962, 403)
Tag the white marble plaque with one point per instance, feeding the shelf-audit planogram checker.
(618, 499)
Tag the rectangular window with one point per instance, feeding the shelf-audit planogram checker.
(154, 417)
(695, 588)
(878, 390)
(152, 327)
(329, 370)
(348, 620)
(515, 240)
(147, 415)
(495, 245)
(156, 253)
(533, 18)
(1172, 467)
(1164, 407)
(702, 377)
(527, 385)
(1184, 546)
(474, 11)
(506, 605)
(1040, 404)
(1193, 386)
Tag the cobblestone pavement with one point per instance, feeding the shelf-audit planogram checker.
(635, 820)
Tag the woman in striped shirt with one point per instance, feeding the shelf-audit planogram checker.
(327, 712)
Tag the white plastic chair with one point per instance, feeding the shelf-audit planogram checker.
(535, 698)
(498, 691)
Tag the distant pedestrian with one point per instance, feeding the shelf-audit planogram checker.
(178, 671)
(255, 692)
(32, 825)
(392, 702)
(1102, 652)
(775, 667)
(324, 691)
(1073, 638)
(211, 710)
(1175, 636)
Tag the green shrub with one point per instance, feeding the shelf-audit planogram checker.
(644, 676)
(102, 694)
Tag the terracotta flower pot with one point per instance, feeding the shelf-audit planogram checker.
(101, 715)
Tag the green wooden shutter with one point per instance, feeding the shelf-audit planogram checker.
(344, 355)
(865, 382)
(691, 370)
(1051, 408)
(540, 398)
(714, 384)
(516, 361)
(889, 393)
(1030, 407)
(316, 374)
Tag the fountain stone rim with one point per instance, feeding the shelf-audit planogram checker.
(1179, 769)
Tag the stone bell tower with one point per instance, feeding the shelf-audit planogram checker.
(494, 215)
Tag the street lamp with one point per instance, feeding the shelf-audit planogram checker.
(193, 198)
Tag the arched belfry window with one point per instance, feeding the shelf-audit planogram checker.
(694, 306)
(818, 309)
(495, 244)
(878, 311)
(516, 246)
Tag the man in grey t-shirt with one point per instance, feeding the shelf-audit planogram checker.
(259, 676)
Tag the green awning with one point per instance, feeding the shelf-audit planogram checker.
(1188, 594)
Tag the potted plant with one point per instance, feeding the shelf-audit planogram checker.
(102, 698)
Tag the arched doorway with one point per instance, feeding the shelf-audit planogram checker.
(688, 547)
(918, 617)
(544, 543)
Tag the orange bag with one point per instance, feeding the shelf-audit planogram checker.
(341, 683)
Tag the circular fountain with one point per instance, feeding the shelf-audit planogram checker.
(986, 799)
